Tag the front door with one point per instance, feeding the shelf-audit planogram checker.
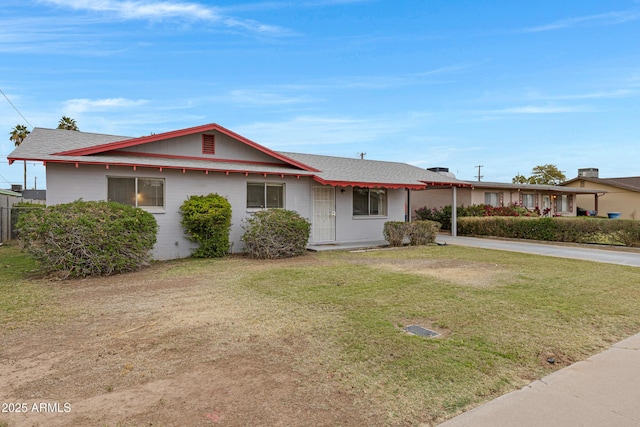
(324, 214)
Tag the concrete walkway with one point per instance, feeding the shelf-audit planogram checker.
(603, 390)
(611, 256)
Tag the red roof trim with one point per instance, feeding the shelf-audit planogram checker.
(368, 184)
(182, 168)
(449, 184)
(200, 158)
(178, 133)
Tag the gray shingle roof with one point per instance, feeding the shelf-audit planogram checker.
(343, 169)
(42, 144)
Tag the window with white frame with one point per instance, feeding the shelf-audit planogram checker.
(369, 201)
(529, 201)
(262, 195)
(492, 199)
(138, 192)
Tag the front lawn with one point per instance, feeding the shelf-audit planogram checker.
(322, 333)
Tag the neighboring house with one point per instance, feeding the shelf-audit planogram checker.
(551, 200)
(346, 200)
(615, 194)
(8, 199)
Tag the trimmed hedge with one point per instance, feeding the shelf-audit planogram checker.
(83, 239)
(207, 220)
(276, 233)
(416, 232)
(559, 229)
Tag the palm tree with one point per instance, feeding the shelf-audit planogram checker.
(18, 134)
(67, 123)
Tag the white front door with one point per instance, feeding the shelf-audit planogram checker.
(324, 214)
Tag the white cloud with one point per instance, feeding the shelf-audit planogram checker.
(81, 105)
(533, 109)
(610, 18)
(166, 10)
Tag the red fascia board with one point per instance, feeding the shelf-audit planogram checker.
(368, 184)
(148, 166)
(199, 158)
(178, 133)
(447, 184)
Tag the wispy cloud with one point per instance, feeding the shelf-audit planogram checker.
(77, 106)
(536, 110)
(167, 10)
(616, 93)
(610, 18)
(263, 98)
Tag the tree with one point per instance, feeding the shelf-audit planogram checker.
(67, 123)
(544, 175)
(18, 134)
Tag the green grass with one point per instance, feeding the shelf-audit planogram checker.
(23, 298)
(498, 336)
(502, 315)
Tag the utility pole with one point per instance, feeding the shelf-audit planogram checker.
(479, 176)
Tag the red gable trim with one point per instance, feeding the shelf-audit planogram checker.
(178, 133)
(199, 158)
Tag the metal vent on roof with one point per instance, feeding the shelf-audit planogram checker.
(419, 330)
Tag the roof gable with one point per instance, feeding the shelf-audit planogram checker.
(631, 183)
(163, 145)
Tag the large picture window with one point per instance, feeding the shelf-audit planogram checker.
(138, 192)
(369, 201)
(261, 195)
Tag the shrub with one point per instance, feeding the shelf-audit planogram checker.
(561, 229)
(276, 233)
(21, 208)
(423, 232)
(416, 232)
(207, 220)
(395, 232)
(83, 239)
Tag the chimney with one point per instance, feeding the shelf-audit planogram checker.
(588, 173)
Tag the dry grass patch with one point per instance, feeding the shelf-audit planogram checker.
(314, 340)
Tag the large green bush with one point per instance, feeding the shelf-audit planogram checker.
(276, 233)
(207, 220)
(559, 229)
(82, 239)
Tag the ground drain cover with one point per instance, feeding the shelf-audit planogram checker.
(419, 330)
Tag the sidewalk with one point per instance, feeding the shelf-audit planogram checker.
(610, 256)
(603, 390)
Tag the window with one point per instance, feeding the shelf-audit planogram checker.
(562, 203)
(262, 195)
(208, 144)
(138, 192)
(529, 201)
(369, 201)
(492, 199)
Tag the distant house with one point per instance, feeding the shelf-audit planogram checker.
(8, 199)
(553, 200)
(346, 200)
(616, 194)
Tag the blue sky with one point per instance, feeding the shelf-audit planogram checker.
(503, 84)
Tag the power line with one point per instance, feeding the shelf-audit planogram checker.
(15, 108)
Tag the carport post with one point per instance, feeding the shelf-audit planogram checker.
(454, 211)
